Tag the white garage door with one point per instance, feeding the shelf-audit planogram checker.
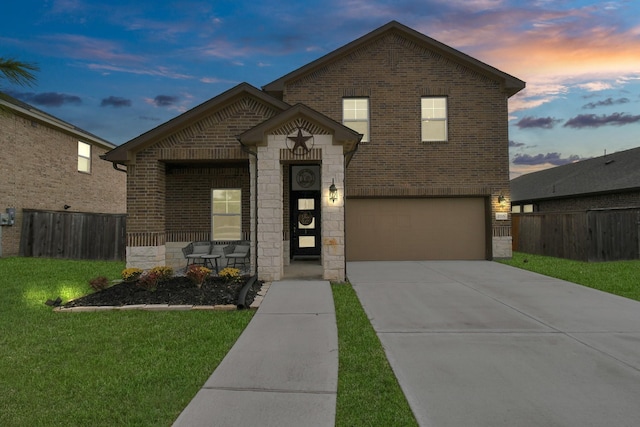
(416, 229)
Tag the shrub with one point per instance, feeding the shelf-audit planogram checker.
(230, 273)
(131, 274)
(99, 283)
(163, 272)
(198, 274)
(149, 280)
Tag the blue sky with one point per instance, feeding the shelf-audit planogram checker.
(119, 68)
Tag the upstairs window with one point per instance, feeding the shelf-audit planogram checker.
(355, 115)
(226, 216)
(84, 157)
(434, 119)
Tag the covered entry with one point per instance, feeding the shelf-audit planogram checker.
(416, 229)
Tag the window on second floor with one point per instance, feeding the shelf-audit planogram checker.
(434, 119)
(84, 157)
(355, 115)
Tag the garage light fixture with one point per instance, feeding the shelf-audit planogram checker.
(502, 200)
(333, 191)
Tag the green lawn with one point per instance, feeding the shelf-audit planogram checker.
(618, 277)
(139, 368)
(98, 369)
(368, 391)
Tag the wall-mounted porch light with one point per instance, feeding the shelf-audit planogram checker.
(502, 200)
(333, 191)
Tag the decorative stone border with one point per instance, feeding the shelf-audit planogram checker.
(166, 307)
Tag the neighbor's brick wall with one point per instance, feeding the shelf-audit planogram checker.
(394, 73)
(39, 170)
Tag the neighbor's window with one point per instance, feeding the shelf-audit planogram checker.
(226, 216)
(527, 209)
(355, 115)
(516, 208)
(84, 157)
(434, 119)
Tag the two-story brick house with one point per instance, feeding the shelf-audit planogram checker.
(48, 164)
(411, 134)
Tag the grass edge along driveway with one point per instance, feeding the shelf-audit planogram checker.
(615, 277)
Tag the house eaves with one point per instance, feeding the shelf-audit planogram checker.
(511, 84)
(126, 151)
(612, 173)
(25, 110)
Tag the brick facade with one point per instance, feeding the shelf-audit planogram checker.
(40, 171)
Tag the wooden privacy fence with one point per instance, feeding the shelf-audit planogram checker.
(73, 235)
(594, 235)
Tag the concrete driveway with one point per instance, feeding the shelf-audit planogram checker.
(478, 343)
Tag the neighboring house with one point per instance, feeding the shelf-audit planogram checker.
(610, 181)
(411, 133)
(48, 164)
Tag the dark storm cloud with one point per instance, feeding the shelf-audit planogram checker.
(115, 101)
(606, 103)
(594, 121)
(537, 122)
(540, 159)
(516, 144)
(165, 100)
(47, 99)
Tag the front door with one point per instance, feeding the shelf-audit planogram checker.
(305, 213)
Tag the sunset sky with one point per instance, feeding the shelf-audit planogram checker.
(119, 68)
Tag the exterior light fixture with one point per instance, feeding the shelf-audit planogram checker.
(333, 192)
(501, 199)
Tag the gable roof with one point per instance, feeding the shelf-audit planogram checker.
(512, 84)
(25, 110)
(342, 134)
(123, 153)
(615, 172)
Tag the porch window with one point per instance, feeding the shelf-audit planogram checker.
(434, 119)
(355, 115)
(84, 157)
(226, 216)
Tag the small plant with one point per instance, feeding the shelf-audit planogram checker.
(149, 280)
(163, 272)
(131, 274)
(99, 283)
(230, 273)
(198, 274)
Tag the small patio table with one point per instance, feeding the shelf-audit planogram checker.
(208, 258)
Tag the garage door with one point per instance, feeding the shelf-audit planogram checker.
(415, 229)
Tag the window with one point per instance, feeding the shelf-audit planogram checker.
(226, 216)
(434, 119)
(355, 115)
(84, 157)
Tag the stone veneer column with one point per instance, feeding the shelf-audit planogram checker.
(333, 236)
(270, 205)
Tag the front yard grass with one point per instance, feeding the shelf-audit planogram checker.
(368, 391)
(101, 369)
(617, 277)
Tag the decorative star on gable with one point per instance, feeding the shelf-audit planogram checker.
(300, 141)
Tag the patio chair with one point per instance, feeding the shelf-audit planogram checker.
(237, 253)
(193, 252)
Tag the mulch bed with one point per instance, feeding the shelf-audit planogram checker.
(175, 291)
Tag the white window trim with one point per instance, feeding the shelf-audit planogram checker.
(83, 157)
(444, 119)
(214, 214)
(346, 122)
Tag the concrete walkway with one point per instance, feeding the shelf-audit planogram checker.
(479, 343)
(282, 371)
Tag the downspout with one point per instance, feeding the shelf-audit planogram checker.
(115, 166)
(255, 202)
